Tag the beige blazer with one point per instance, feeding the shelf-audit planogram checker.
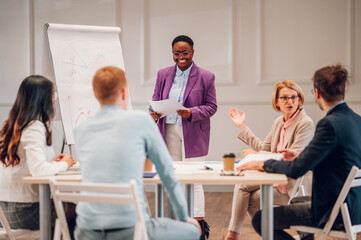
(297, 138)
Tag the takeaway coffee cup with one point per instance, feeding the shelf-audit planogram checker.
(228, 162)
(148, 165)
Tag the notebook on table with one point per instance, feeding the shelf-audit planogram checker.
(149, 174)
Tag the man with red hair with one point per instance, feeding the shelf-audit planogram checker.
(112, 147)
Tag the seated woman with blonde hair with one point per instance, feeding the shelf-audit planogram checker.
(293, 130)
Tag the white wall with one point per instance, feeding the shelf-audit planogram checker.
(248, 44)
(21, 38)
(14, 51)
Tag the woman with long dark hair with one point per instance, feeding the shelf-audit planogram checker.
(25, 149)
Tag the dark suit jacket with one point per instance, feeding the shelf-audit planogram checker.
(200, 97)
(335, 148)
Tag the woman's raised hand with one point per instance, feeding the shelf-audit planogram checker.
(238, 119)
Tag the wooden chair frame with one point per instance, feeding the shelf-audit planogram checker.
(7, 231)
(6, 226)
(298, 187)
(97, 193)
(353, 180)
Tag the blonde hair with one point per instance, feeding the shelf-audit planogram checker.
(107, 82)
(286, 84)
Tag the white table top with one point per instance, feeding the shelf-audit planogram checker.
(188, 173)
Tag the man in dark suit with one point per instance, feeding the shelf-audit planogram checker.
(335, 148)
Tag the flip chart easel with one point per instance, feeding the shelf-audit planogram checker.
(76, 52)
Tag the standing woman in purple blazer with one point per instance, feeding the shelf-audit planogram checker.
(187, 133)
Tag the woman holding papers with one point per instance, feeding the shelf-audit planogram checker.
(25, 149)
(293, 130)
(187, 133)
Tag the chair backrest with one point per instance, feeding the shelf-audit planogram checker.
(353, 180)
(97, 193)
(12, 233)
(5, 224)
(302, 187)
(297, 188)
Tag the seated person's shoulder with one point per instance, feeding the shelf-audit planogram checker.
(138, 116)
(35, 125)
(35, 130)
(83, 124)
(307, 120)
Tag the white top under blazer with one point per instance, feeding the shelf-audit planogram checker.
(35, 159)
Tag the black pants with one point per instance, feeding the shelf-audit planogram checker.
(286, 216)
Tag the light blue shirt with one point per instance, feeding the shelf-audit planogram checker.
(112, 146)
(177, 92)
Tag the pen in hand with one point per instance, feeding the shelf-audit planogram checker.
(150, 109)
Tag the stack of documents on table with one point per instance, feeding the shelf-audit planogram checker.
(197, 167)
(260, 157)
(189, 169)
(166, 107)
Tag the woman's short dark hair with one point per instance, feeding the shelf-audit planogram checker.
(331, 82)
(33, 102)
(183, 38)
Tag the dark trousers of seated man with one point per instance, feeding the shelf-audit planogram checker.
(297, 213)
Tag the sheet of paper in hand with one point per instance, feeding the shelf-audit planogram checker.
(166, 107)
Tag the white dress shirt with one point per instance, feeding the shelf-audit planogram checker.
(177, 93)
(35, 159)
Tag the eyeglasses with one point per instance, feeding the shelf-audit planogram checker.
(313, 91)
(285, 99)
(184, 54)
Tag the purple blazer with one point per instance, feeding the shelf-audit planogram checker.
(200, 97)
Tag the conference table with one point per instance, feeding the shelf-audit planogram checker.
(188, 173)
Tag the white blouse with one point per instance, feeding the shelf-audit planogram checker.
(35, 159)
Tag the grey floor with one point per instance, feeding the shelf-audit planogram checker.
(218, 213)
